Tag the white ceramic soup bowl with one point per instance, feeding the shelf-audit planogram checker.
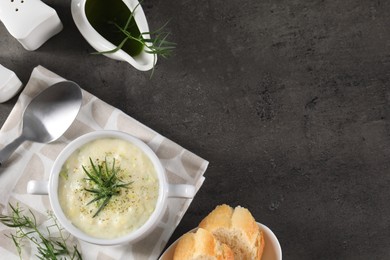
(165, 190)
(143, 61)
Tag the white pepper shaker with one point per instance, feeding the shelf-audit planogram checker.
(31, 22)
(9, 84)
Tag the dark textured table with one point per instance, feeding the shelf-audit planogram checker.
(287, 100)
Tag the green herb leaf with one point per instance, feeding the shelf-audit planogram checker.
(154, 42)
(48, 246)
(105, 183)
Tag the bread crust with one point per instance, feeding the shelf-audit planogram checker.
(238, 229)
(224, 234)
(201, 245)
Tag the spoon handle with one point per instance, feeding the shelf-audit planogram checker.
(6, 152)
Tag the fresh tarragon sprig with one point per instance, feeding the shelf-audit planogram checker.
(49, 246)
(154, 42)
(105, 182)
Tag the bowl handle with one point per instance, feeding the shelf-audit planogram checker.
(38, 187)
(181, 191)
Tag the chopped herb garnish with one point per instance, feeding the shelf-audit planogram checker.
(105, 183)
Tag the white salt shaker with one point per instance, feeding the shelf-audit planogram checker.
(9, 84)
(31, 22)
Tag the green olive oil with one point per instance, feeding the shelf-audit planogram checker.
(104, 14)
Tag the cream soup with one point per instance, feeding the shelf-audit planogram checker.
(125, 211)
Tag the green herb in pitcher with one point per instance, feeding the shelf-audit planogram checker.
(104, 15)
(115, 22)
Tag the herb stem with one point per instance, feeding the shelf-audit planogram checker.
(48, 246)
(104, 183)
(156, 43)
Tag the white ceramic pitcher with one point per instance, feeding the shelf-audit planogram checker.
(143, 61)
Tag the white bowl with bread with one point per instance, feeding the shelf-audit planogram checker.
(225, 234)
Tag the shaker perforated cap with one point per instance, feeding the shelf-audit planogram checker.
(31, 22)
(9, 84)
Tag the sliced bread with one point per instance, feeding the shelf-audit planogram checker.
(201, 246)
(238, 229)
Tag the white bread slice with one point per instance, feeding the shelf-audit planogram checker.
(201, 246)
(238, 229)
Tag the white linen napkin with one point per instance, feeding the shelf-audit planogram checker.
(34, 161)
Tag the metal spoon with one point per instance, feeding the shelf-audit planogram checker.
(47, 116)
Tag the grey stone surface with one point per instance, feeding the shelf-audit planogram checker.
(287, 99)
